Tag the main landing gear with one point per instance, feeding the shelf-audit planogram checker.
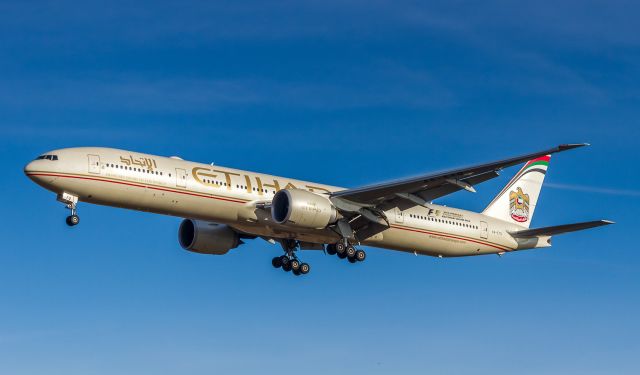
(289, 262)
(71, 202)
(345, 250)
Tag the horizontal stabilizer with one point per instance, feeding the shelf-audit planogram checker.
(558, 229)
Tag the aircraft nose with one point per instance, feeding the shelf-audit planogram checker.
(29, 168)
(36, 171)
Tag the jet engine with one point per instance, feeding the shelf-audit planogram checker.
(303, 209)
(207, 238)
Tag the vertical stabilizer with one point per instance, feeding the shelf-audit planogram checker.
(517, 201)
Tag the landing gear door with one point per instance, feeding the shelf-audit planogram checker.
(484, 230)
(181, 178)
(94, 164)
(399, 216)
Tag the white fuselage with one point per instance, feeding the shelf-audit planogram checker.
(176, 187)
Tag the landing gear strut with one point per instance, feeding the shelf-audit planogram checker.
(290, 262)
(71, 202)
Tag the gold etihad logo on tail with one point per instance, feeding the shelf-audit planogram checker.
(519, 205)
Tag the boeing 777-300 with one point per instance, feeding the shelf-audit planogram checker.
(222, 206)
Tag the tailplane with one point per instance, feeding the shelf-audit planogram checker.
(559, 229)
(516, 203)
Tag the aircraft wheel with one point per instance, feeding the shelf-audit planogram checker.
(276, 263)
(342, 255)
(73, 220)
(305, 268)
(341, 248)
(360, 255)
(351, 251)
(352, 260)
(331, 249)
(295, 265)
(296, 272)
(286, 263)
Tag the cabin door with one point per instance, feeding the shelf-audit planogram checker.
(94, 164)
(484, 230)
(399, 216)
(181, 178)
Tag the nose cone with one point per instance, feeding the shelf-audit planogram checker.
(29, 168)
(38, 172)
(31, 171)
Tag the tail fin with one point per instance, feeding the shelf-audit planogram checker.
(517, 201)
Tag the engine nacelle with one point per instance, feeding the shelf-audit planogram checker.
(207, 238)
(303, 209)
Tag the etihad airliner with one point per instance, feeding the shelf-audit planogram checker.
(222, 206)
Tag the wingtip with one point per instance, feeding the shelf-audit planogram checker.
(607, 222)
(570, 146)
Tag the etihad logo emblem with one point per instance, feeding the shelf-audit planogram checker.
(519, 205)
(141, 162)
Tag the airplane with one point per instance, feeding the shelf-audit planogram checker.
(222, 206)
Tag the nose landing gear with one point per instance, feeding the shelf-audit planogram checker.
(73, 220)
(71, 202)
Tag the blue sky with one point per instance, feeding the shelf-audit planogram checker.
(345, 93)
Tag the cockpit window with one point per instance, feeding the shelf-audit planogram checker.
(47, 157)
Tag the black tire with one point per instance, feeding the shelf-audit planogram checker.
(331, 249)
(341, 248)
(296, 272)
(295, 264)
(276, 263)
(342, 255)
(73, 220)
(352, 260)
(351, 251)
(360, 255)
(286, 263)
(305, 268)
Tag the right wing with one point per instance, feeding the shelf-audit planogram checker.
(363, 208)
(435, 185)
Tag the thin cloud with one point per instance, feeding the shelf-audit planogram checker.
(593, 189)
(382, 84)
